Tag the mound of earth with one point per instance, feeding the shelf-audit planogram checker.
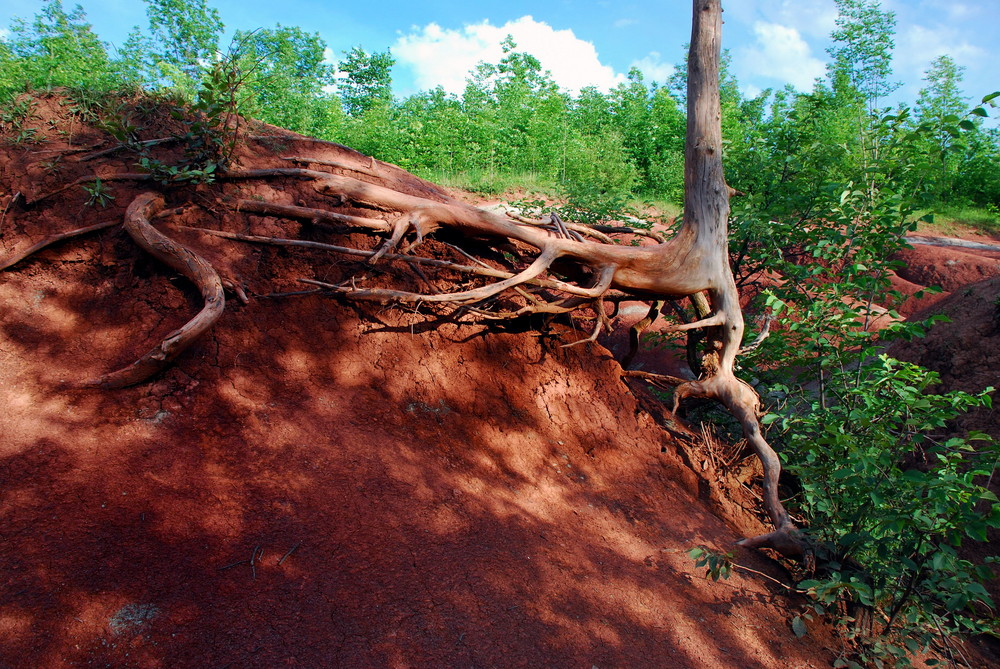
(943, 263)
(965, 349)
(323, 483)
(965, 352)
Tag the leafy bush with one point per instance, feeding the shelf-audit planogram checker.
(887, 498)
(209, 128)
(891, 500)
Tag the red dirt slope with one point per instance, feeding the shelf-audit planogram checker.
(317, 483)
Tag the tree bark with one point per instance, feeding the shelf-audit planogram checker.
(706, 212)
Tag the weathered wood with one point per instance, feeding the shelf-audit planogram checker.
(188, 263)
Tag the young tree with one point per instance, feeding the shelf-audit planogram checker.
(58, 48)
(935, 154)
(365, 81)
(288, 77)
(860, 74)
(862, 50)
(186, 32)
(943, 94)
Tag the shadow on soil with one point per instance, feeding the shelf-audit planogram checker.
(323, 485)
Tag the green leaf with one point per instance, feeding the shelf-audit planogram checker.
(799, 627)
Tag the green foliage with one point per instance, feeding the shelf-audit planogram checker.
(887, 496)
(717, 564)
(288, 77)
(98, 193)
(13, 118)
(209, 127)
(366, 81)
(57, 48)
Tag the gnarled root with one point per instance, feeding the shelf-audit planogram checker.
(192, 266)
(743, 403)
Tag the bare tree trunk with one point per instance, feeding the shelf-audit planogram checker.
(706, 210)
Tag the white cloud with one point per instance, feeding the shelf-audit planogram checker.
(444, 57)
(654, 69)
(779, 52)
(812, 18)
(917, 46)
(624, 23)
(956, 11)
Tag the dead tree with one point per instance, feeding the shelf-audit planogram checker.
(572, 267)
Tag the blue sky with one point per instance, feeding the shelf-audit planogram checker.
(773, 42)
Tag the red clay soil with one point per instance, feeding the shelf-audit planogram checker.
(965, 351)
(321, 484)
(943, 267)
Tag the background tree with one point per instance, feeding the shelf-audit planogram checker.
(937, 153)
(365, 80)
(862, 50)
(183, 36)
(57, 48)
(288, 78)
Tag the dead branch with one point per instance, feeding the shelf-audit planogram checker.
(3, 216)
(311, 215)
(188, 263)
(123, 147)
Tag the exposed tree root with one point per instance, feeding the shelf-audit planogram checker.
(480, 270)
(361, 169)
(311, 215)
(192, 266)
(692, 262)
(635, 332)
(571, 266)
